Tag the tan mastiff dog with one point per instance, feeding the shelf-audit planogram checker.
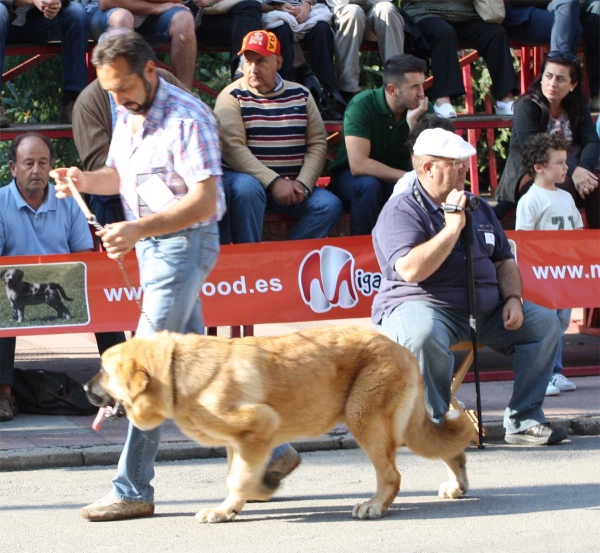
(252, 394)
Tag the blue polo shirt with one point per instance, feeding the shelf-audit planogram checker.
(404, 224)
(57, 227)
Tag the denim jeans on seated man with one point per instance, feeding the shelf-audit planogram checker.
(247, 200)
(173, 268)
(363, 196)
(429, 331)
(69, 26)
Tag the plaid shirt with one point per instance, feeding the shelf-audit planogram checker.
(179, 140)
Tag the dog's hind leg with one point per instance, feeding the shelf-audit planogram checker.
(458, 484)
(375, 436)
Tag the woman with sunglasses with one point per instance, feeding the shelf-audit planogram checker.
(555, 103)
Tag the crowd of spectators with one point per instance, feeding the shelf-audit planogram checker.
(331, 32)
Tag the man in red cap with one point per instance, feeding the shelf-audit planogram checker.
(273, 151)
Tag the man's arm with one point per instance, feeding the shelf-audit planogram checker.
(104, 182)
(316, 146)
(511, 290)
(359, 150)
(424, 260)
(200, 203)
(236, 153)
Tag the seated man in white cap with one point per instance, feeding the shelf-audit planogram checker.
(423, 301)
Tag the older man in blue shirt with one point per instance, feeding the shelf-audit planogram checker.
(34, 222)
(423, 301)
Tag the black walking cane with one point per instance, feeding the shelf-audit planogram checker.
(467, 235)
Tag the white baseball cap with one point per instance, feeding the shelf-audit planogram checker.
(442, 143)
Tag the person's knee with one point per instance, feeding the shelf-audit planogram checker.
(568, 8)
(182, 25)
(497, 33)
(73, 16)
(385, 11)
(4, 21)
(443, 35)
(326, 203)
(247, 189)
(121, 18)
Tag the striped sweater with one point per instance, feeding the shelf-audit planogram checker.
(278, 134)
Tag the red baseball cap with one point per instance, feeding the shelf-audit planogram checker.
(264, 43)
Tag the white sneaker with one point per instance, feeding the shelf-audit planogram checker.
(445, 110)
(505, 108)
(562, 383)
(552, 390)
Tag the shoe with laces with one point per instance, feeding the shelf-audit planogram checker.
(111, 508)
(4, 121)
(281, 467)
(552, 390)
(540, 434)
(562, 383)
(445, 110)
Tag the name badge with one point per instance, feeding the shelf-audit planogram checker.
(155, 193)
(490, 238)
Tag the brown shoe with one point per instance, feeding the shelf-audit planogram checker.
(4, 122)
(281, 467)
(111, 508)
(66, 113)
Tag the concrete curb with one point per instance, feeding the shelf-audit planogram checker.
(61, 457)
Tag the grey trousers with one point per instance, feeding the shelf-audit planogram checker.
(364, 20)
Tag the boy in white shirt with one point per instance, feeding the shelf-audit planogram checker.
(545, 207)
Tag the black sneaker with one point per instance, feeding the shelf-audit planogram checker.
(540, 434)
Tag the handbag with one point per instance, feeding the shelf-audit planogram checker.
(50, 393)
(491, 11)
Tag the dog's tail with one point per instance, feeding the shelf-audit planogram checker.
(62, 292)
(433, 440)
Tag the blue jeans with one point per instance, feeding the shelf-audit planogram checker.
(247, 200)
(173, 268)
(363, 197)
(69, 26)
(564, 318)
(558, 25)
(155, 28)
(429, 331)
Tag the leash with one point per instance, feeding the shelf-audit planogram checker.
(92, 221)
(116, 411)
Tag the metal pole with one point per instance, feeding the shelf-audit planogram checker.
(467, 233)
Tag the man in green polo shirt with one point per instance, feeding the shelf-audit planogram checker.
(374, 152)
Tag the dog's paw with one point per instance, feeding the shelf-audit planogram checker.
(451, 490)
(215, 515)
(366, 511)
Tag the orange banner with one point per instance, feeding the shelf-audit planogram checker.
(272, 282)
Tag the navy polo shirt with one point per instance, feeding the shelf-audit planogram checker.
(58, 226)
(404, 224)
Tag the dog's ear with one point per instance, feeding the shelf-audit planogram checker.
(2, 274)
(138, 378)
(19, 274)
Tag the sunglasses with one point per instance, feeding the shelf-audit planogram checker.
(564, 55)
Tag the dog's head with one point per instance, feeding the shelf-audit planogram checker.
(11, 276)
(127, 376)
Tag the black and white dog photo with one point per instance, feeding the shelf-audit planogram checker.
(22, 293)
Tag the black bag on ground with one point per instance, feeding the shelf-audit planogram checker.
(50, 393)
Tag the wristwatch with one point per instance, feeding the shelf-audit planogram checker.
(516, 296)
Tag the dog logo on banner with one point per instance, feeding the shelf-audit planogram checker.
(326, 279)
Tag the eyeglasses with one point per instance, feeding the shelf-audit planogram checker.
(567, 56)
(456, 163)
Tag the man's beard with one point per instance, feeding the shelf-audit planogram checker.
(143, 108)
